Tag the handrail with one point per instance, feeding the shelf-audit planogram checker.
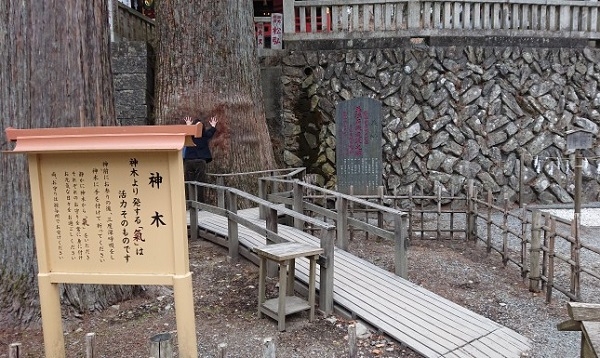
(293, 171)
(259, 201)
(337, 194)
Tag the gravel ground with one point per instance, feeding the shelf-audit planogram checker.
(481, 282)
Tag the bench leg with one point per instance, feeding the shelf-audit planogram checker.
(311, 287)
(283, 268)
(262, 276)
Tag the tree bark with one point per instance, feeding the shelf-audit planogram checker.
(54, 72)
(208, 65)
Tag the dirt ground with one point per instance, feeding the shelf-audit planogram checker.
(226, 307)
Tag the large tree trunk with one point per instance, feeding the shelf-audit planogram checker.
(54, 72)
(208, 65)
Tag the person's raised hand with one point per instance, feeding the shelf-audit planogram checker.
(188, 120)
(213, 121)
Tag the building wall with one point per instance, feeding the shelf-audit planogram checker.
(133, 77)
(451, 114)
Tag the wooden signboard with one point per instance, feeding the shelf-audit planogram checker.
(358, 146)
(109, 208)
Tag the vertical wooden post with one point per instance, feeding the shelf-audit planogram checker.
(232, 228)
(14, 350)
(535, 250)
(161, 345)
(575, 248)
(352, 348)
(220, 192)
(521, 176)
(410, 213)
(268, 348)
(505, 233)
(381, 195)
(262, 193)
(90, 344)
(312, 273)
(524, 224)
(545, 253)
(471, 219)
(326, 272)
(262, 289)
(271, 225)
(351, 211)
(222, 350)
(490, 200)
(551, 254)
(298, 205)
(54, 341)
(342, 222)
(193, 193)
(401, 244)
(475, 214)
(438, 228)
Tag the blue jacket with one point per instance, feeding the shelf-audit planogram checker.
(201, 150)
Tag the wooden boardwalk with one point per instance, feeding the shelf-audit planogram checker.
(424, 321)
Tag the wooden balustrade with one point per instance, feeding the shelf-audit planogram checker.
(529, 18)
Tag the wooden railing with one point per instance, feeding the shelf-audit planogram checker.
(131, 25)
(420, 18)
(349, 213)
(339, 19)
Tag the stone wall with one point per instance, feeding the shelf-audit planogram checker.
(133, 78)
(450, 114)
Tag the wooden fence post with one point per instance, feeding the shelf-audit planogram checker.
(326, 272)
(268, 348)
(490, 200)
(232, 228)
(401, 244)
(505, 256)
(471, 218)
(222, 350)
(14, 350)
(535, 250)
(90, 344)
(351, 211)
(298, 205)
(352, 348)
(381, 195)
(551, 253)
(341, 224)
(545, 253)
(161, 345)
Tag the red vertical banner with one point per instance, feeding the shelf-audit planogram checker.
(277, 31)
(260, 35)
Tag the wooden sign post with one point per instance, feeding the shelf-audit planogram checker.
(109, 208)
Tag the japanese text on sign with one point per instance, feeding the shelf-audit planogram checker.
(106, 209)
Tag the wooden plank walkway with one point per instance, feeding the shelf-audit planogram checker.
(424, 321)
